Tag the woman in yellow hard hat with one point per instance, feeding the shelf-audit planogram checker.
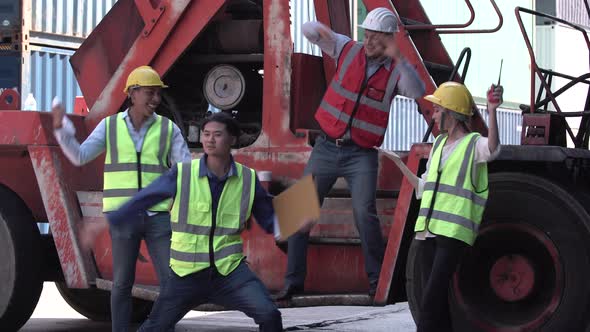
(140, 145)
(453, 192)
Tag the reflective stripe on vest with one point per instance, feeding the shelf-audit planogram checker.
(192, 220)
(371, 118)
(458, 205)
(121, 176)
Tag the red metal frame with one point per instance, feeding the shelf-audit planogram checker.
(447, 26)
(500, 23)
(149, 14)
(9, 100)
(158, 47)
(63, 214)
(47, 183)
(160, 43)
(536, 71)
(417, 153)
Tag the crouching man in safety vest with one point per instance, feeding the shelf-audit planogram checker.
(454, 190)
(213, 198)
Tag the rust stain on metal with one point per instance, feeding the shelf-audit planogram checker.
(60, 213)
(104, 99)
(176, 9)
(289, 158)
(276, 37)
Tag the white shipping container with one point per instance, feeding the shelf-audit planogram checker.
(76, 18)
(51, 75)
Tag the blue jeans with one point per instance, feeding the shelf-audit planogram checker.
(126, 239)
(358, 166)
(240, 290)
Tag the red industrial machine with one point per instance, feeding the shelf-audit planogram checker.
(528, 270)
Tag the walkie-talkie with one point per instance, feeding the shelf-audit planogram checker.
(491, 98)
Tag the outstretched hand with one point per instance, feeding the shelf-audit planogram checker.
(412, 178)
(390, 47)
(89, 232)
(58, 111)
(390, 154)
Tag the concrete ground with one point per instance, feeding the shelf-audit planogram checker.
(53, 314)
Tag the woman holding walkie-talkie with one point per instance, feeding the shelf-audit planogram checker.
(454, 190)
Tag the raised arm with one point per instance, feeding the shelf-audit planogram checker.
(329, 42)
(410, 85)
(412, 178)
(161, 189)
(65, 133)
(495, 99)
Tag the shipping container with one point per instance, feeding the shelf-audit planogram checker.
(52, 75)
(570, 10)
(34, 55)
(65, 23)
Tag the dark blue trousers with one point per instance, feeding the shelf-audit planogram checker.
(240, 290)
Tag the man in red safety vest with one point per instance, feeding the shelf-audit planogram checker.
(353, 116)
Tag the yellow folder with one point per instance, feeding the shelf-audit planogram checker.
(296, 206)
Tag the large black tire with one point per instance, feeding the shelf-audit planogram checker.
(21, 280)
(539, 222)
(95, 304)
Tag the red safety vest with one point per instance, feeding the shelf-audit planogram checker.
(370, 120)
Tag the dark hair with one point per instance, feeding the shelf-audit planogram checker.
(231, 125)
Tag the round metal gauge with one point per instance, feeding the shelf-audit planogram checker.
(224, 86)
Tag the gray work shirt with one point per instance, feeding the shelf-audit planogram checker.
(410, 85)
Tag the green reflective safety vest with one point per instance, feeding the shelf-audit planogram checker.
(455, 196)
(125, 170)
(192, 220)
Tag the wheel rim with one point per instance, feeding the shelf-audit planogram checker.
(504, 289)
(512, 277)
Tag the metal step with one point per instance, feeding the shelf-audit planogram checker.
(337, 226)
(438, 67)
(150, 293)
(439, 72)
(410, 22)
(340, 190)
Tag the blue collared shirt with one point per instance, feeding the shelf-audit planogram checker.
(166, 186)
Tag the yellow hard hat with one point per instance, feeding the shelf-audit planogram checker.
(143, 76)
(454, 97)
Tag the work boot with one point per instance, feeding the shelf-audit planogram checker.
(372, 289)
(287, 292)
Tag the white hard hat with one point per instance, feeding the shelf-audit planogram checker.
(380, 19)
